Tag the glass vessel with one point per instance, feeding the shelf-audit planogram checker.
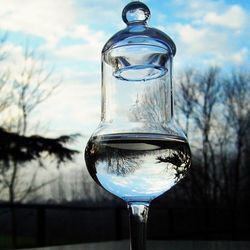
(137, 152)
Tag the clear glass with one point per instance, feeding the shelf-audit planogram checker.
(137, 152)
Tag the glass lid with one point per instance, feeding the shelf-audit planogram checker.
(136, 15)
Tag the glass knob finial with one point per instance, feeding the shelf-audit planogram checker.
(135, 12)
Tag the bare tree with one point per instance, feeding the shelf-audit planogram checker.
(3, 54)
(5, 96)
(29, 88)
(186, 96)
(208, 88)
(237, 107)
(198, 102)
(28, 91)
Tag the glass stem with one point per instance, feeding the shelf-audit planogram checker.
(138, 215)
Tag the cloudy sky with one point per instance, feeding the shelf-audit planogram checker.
(71, 33)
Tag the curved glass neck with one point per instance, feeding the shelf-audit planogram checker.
(137, 88)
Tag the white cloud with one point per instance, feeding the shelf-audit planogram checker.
(88, 50)
(196, 9)
(240, 57)
(57, 19)
(234, 17)
(200, 40)
(210, 32)
(44, 18)
(53, 20)
(19, 61)
(75, 106)
(84, 52)
(84, 32)
(207, 46)
(212, 12)
(14, 56)
(101, 13)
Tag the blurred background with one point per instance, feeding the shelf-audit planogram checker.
(50, 54)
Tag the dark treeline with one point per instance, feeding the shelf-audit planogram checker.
(213, 109)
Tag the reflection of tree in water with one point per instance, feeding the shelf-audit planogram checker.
(122, 163)
(180, 161)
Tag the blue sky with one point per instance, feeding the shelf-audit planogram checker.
(71, 33)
